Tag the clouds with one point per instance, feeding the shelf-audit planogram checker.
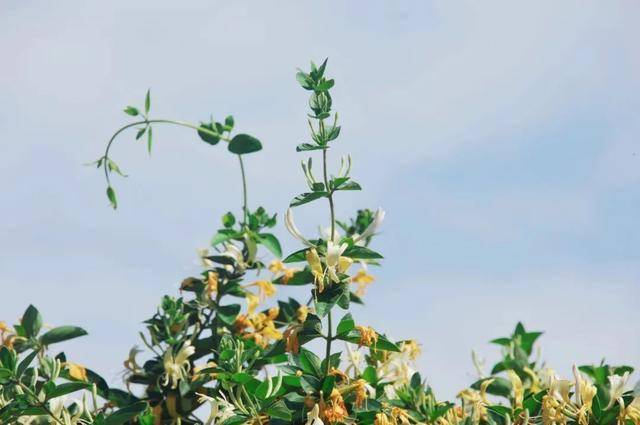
(499, 136)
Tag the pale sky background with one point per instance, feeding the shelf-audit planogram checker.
(501, 137)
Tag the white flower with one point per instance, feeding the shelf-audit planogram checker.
(335, 261)
(617, 384)
(372, 228)
(177, 367)
(235, 253)
(221, 409)
(354, 360)
(291, 227)
(313, 417)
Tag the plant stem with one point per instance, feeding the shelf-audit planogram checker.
(329, 339)
(244, 192)
(333, 228)
(147, 122)
(329, 193)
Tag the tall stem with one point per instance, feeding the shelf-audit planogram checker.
(244, 191)
(329, 339)
(333, 228)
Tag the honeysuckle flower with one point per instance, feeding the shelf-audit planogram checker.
(234, 253)
(631, 412)
(476, 401)
(517, 388)
(316, 268)
(177, 367)
(381, 419)
(301, 313)
(131, 364)
(368, 336)
(372, 228)
(363, 391)
(212, 283)
(293, 229)
(76, 371)
(313, 416)
(617, 385)
(253, 301)
(336, 263)
(266, 289)
(340, 375)
(584, 394)
(362, 279)
(203, 253)
(335, 411)
(354, 360)
(290, 336)
(276, 266)
(411, 348)
(221, 409)
(400, 416)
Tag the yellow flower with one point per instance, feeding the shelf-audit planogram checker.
(381, 419)
(399, 415)
(518, 389)
(363, 391)
(253, 301)
(277, 266)
(301, 313)
(335, 411)
(266, 289)
(77, 371)
(3, 327)
(368, 336)
(411, 348)
(292, 344)
(212, 283)
(632, 412)
(287, 275)
(362, 279)
(316, 268)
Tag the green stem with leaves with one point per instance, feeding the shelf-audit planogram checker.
(331, 235)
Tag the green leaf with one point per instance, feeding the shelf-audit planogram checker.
(131, 110)
(361, 253)
(147, 101)
(149, 139)
(5, 375)
(309, 147)
(140, 133)
(229, 122)
(243, 143)
(271, 243)
(500, 386)
(31, 321)
(222, 236)
(206, 136)
(346, 324)
(123, 415)
(351, 185)
(228, 313)
(307, 197)
(279, 410)
(296, 257)
(111, 194)
(67, 388)
(24, 364)
(310, 362)
(62, 333)
(301, 277)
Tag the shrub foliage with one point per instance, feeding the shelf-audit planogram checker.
(218, 354)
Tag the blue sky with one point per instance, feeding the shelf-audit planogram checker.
(501, 137)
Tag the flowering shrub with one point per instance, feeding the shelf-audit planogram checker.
(216, 354)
